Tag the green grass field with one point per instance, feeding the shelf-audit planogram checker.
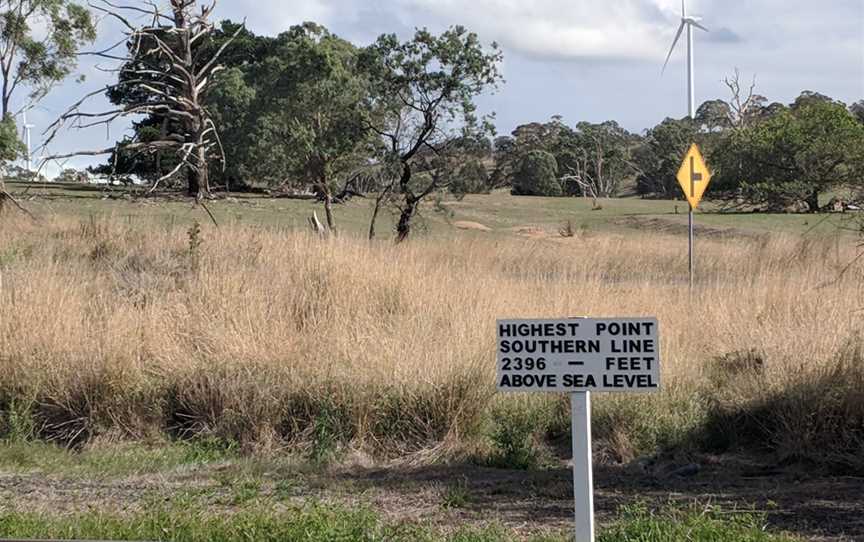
(315, 522)
(499, 211)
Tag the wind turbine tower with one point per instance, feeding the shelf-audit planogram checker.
(26, 130)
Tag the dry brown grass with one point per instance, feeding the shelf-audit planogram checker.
(271, 337)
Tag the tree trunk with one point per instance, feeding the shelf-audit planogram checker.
(324, 187)
(6, 96)
(203, 179)
(403, 228)
(193, 186)
(378, 201)
(813, 201)
(199, 181)
(374, 218)
(328, 211)
(163, 133)
(197, 178)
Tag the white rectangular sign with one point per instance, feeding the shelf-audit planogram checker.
(579, 354)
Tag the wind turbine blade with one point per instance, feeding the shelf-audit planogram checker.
(697, 25)
(674, 43)
(683, 11)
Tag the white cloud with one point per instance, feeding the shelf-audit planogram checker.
(562, 29)
(274, 16)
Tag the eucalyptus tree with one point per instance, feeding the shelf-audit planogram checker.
(309, 124)
(596, 157)
(857, 109)
(658, 158)
(39, 45)
(10, 148)
(794, 156)
(421, 105)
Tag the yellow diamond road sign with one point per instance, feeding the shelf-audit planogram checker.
(694, 176)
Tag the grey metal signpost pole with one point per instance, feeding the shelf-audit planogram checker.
(690, 245)
(583, 477)
(691, 109)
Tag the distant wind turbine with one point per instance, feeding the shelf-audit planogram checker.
(689, 23)
(26, 133)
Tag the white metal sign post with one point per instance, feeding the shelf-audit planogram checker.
(583, 473)
(578, 356)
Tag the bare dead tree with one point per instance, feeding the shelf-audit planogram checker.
(163, 72)
(588, 173)
(594, 163)
(742, 108)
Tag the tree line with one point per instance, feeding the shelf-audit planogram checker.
(308, 110)
(771, 155)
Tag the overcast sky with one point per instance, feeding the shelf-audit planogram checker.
(589, 60)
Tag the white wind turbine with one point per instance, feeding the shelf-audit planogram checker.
(689, 23)
(26, 133)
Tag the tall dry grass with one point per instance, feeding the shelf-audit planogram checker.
(270, 337)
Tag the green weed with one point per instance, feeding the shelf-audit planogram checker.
(456, 495)
(513, 438)
(17, 423)
(245, 491)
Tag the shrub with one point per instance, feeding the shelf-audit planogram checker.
(537, 176)
(513, 438)
(470, 178)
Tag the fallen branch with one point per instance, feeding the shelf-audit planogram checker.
(213, 218)
(316, 225)
(6, 196)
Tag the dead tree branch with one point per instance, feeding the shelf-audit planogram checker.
(167, 80)
(741, 107)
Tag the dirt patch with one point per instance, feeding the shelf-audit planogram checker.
(467, 225)
(662, 225)
(819, 508)
(816, 508)
(529, 231)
